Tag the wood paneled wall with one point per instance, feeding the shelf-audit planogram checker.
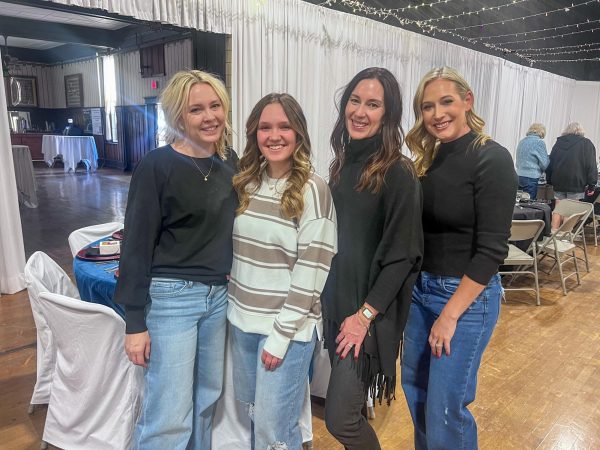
(51, 82)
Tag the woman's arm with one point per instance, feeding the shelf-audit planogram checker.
(399, 254)
(495, 186)
(317, 244)
(142, 227)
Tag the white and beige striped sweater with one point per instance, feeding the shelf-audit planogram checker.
(280, 265)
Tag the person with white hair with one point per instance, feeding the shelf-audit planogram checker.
(532, 159)
(572, 167)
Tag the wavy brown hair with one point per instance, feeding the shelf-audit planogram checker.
(392, 136)
(253, 164)
(420, 142)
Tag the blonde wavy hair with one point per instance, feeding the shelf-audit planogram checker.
(253, 164)
(421, 143)
(174, 101)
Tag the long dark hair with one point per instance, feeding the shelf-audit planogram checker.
(392, 135)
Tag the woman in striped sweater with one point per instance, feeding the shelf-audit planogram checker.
(284, 238)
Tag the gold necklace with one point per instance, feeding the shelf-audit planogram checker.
(212, 160)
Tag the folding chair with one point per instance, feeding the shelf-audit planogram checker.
(595, 222)
(570, 207)
(78, 239)
(560, 243)
(524, 230)
(96, 391)
(42, 274)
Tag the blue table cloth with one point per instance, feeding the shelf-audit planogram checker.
(96, 282)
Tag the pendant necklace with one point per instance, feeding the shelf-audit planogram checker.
(205, 175)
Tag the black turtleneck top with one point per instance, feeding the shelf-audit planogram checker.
(380, 245)
(468, 200)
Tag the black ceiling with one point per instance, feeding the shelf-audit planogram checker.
(562, 37)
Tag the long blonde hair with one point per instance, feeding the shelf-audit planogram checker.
(174, 101)
(253, 164)
(420, 142)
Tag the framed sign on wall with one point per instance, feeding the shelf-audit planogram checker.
(23, 91)
(74, 90)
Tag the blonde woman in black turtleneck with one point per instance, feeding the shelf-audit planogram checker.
(469, 186)
(377, 198)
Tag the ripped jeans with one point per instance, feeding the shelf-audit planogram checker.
(274, 398)
(438, 390)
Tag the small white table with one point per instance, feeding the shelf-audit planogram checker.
(72, 148)
(26, 185)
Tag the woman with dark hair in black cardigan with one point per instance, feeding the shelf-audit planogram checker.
(377, 197)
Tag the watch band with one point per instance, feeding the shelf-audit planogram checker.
(367, 313)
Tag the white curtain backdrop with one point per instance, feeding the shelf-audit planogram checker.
(12, 253)
(311, 52)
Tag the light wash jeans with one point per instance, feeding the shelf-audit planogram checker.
(274, 398)
(187, 323)
(438, 390)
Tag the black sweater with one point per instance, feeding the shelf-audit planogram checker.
(468, 201)
(176, 225)
(380, 245)
(572, 164)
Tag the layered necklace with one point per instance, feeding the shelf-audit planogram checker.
(205, 175)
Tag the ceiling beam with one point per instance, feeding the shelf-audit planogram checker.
(60, 32)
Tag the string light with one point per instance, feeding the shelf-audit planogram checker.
(541, 49)
(521, 18)
(552, 37)
(564, 60)
(566, 52)
(482, 10)
(538, 31)
(427, 26)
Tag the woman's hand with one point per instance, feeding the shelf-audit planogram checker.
(441, 334)
(137, 347)
(352, 334)
(271, 362)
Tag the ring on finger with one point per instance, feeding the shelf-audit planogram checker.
(439, 345)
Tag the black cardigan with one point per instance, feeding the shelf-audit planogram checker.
(380, 246)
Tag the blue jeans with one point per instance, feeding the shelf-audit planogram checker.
(529, 185)
(438, 390)
(274, 398)
(186, 322)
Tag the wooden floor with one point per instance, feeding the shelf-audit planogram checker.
(539, 384)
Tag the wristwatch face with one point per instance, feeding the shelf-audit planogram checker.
(367, 313)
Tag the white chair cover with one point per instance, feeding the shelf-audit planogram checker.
(96, 392)
(84, 236)
(42, 274)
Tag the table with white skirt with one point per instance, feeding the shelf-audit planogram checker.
(73, 150)
(26, 185)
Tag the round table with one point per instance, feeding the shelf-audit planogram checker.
(96, 282)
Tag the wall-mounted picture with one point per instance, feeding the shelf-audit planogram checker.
(23, 91)
(74, 90)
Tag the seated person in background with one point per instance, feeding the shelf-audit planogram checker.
(532, 159)
(71, 129)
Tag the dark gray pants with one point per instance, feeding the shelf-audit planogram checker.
(346, 399)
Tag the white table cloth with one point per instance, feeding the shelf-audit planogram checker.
(26, 185)
(72, 148)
